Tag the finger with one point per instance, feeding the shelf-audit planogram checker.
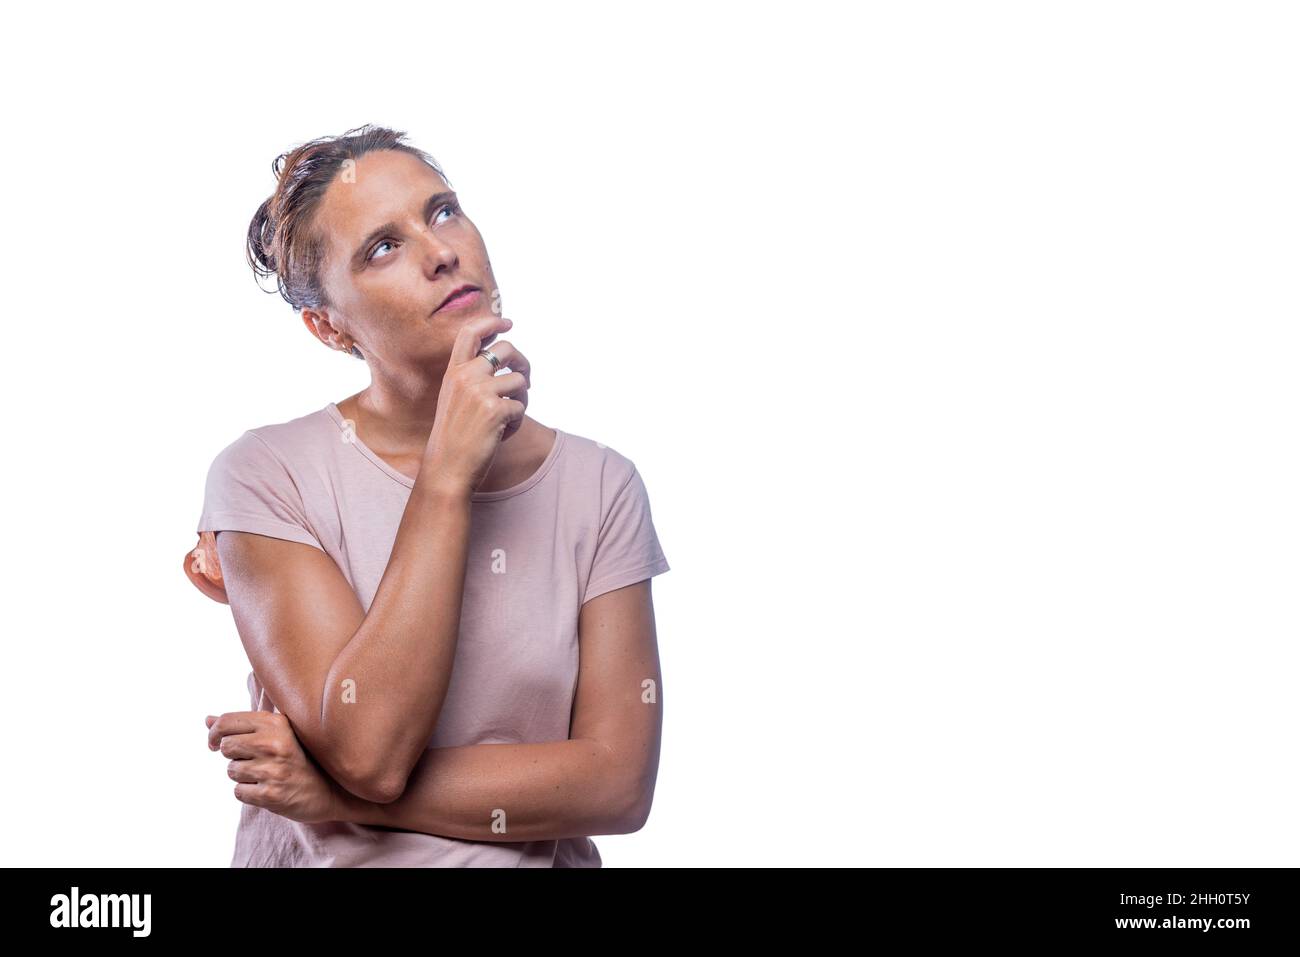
(511, 383)
(515, 421)
(508, 357)
(244, 771)
(232, 722)
(203, 569)
(515, 413)
(254, 794)
(472, 334)
(239, 746)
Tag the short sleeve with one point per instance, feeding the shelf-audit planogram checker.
(627, 546)
(249, 489)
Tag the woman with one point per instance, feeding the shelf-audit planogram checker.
(445, 603)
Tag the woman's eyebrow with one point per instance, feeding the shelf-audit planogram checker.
(430, 204)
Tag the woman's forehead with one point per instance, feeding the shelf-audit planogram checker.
(377, 188)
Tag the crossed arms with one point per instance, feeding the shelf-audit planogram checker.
(305, 631)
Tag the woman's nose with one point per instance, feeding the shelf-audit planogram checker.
(437, 252)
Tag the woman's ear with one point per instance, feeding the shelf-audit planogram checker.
(203, 568)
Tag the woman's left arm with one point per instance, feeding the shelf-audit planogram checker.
(600, 781)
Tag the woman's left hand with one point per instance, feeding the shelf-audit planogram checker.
(273, 770)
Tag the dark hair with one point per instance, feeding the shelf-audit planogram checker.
(281, 240)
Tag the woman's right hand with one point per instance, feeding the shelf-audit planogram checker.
(477, 409)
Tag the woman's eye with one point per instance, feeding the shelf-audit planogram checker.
(450, 208)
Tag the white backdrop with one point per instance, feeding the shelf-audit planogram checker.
(956, 344)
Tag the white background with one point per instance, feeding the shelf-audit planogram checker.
(956, 344)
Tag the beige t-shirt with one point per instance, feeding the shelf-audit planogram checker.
(578, 527)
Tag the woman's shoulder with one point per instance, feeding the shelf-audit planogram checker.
(592, 450)
(265, 472)
(597, 462)
(294, 440)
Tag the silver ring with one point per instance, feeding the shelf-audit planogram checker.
(496, 363)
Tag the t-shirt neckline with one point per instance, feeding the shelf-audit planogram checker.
(350, 438)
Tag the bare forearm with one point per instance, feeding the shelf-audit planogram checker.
(506, 792)
(386, 688)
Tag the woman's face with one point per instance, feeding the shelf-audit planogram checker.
(396, 246)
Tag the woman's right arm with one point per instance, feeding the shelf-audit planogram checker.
(363, 690)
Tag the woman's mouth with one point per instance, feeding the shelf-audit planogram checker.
(460, 301)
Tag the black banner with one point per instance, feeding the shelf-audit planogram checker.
(1225, 906)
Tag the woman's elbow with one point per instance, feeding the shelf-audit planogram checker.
(636, 818)
(369, 786)
(357, 772)
(376, 783)
(633, 807)
(364, 765)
